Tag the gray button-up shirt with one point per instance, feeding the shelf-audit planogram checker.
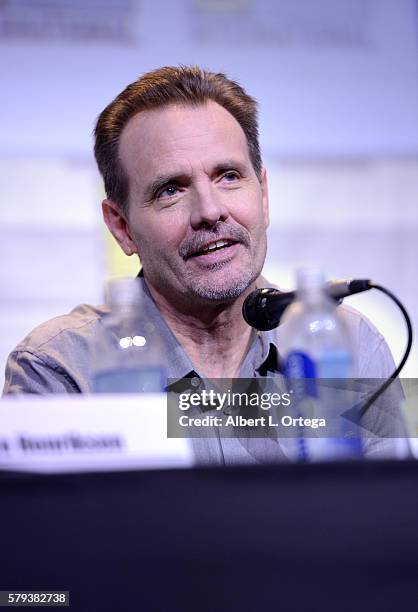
(56, 358)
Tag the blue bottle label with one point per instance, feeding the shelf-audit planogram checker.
(341, 439)
(298, 366)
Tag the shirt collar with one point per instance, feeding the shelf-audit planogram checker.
(262, 358)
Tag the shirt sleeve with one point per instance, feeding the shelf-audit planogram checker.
(29, 373)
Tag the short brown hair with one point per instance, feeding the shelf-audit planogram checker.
(188, 85)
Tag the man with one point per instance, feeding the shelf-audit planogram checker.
(178, 151)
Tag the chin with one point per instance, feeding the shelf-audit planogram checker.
(226, 291)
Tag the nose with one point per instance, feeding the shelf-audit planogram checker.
(207, 208)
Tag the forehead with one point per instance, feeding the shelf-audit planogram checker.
(179, 135)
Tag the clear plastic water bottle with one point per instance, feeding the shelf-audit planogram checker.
(128, 353)
(317, 356)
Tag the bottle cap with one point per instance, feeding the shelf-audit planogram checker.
(310, 278)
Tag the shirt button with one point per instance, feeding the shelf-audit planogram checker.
(195, 382)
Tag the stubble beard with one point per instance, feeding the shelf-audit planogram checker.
(227, 289)
(212, 285)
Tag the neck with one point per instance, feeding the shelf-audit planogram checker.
(215, 337)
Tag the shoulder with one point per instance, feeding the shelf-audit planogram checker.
(79, 323)
(54, 357)
(361, 329)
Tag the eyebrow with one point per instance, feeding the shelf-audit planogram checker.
(165, 179)
(230, 164)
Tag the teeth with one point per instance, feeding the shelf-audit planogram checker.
(216, 245)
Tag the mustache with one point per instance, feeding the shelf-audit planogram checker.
(220, 231)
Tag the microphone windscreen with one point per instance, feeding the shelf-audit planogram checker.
(263, 308)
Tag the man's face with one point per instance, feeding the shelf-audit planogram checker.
(197, 212)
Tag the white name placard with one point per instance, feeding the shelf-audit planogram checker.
(65, 433)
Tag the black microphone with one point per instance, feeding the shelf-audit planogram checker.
(263, 308)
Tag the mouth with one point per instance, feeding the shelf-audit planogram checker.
(211, 247)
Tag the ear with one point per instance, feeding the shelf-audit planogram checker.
(118, 226)
(265, 197)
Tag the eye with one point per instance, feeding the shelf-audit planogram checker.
(167, 192)
(231, 176)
